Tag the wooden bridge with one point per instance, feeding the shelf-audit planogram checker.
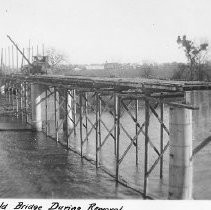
(60, 106)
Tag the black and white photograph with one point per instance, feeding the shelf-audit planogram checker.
(106, 102)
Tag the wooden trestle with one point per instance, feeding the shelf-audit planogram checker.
(68, 100)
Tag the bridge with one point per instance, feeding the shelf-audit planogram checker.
(72, 108)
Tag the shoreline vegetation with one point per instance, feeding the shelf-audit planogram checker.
(197, 67)
(165, 71)
(52, 62)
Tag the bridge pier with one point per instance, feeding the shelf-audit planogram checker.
(49, 111)
(68, 121)
(37, 93)
(180, 163)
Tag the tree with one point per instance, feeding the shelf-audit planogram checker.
(180, 72)
(195, 56)
(56, 61)
(147, 69)
(55, 58)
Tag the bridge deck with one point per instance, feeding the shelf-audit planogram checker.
(99, 83)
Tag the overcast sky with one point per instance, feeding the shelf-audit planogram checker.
(95, 31)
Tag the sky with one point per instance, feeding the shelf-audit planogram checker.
(95, 31)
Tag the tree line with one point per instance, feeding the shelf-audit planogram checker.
(197, 66)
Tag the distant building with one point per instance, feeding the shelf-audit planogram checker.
(77, 69)
(118, 66)
(127, 66)
(113, 66)
(95, 67)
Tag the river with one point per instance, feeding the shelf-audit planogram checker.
(35, 166)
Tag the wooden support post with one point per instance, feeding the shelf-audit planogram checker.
(99, 124)
(25, 103)
(9, 92)
(86, 112)
(70, 109)
(81, 122)
(117, 131)
(66, 117)
(28, 100)
(21, 100)
(97, 128)
(161, 137)
(146, 146)
(74, 110)
(13, 97)
(6, 89)
(136, 118)
(114, 115)
(180, 164)
(46, 111)
(55, 114)
(17, 100)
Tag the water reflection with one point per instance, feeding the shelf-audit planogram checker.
(33, 166)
